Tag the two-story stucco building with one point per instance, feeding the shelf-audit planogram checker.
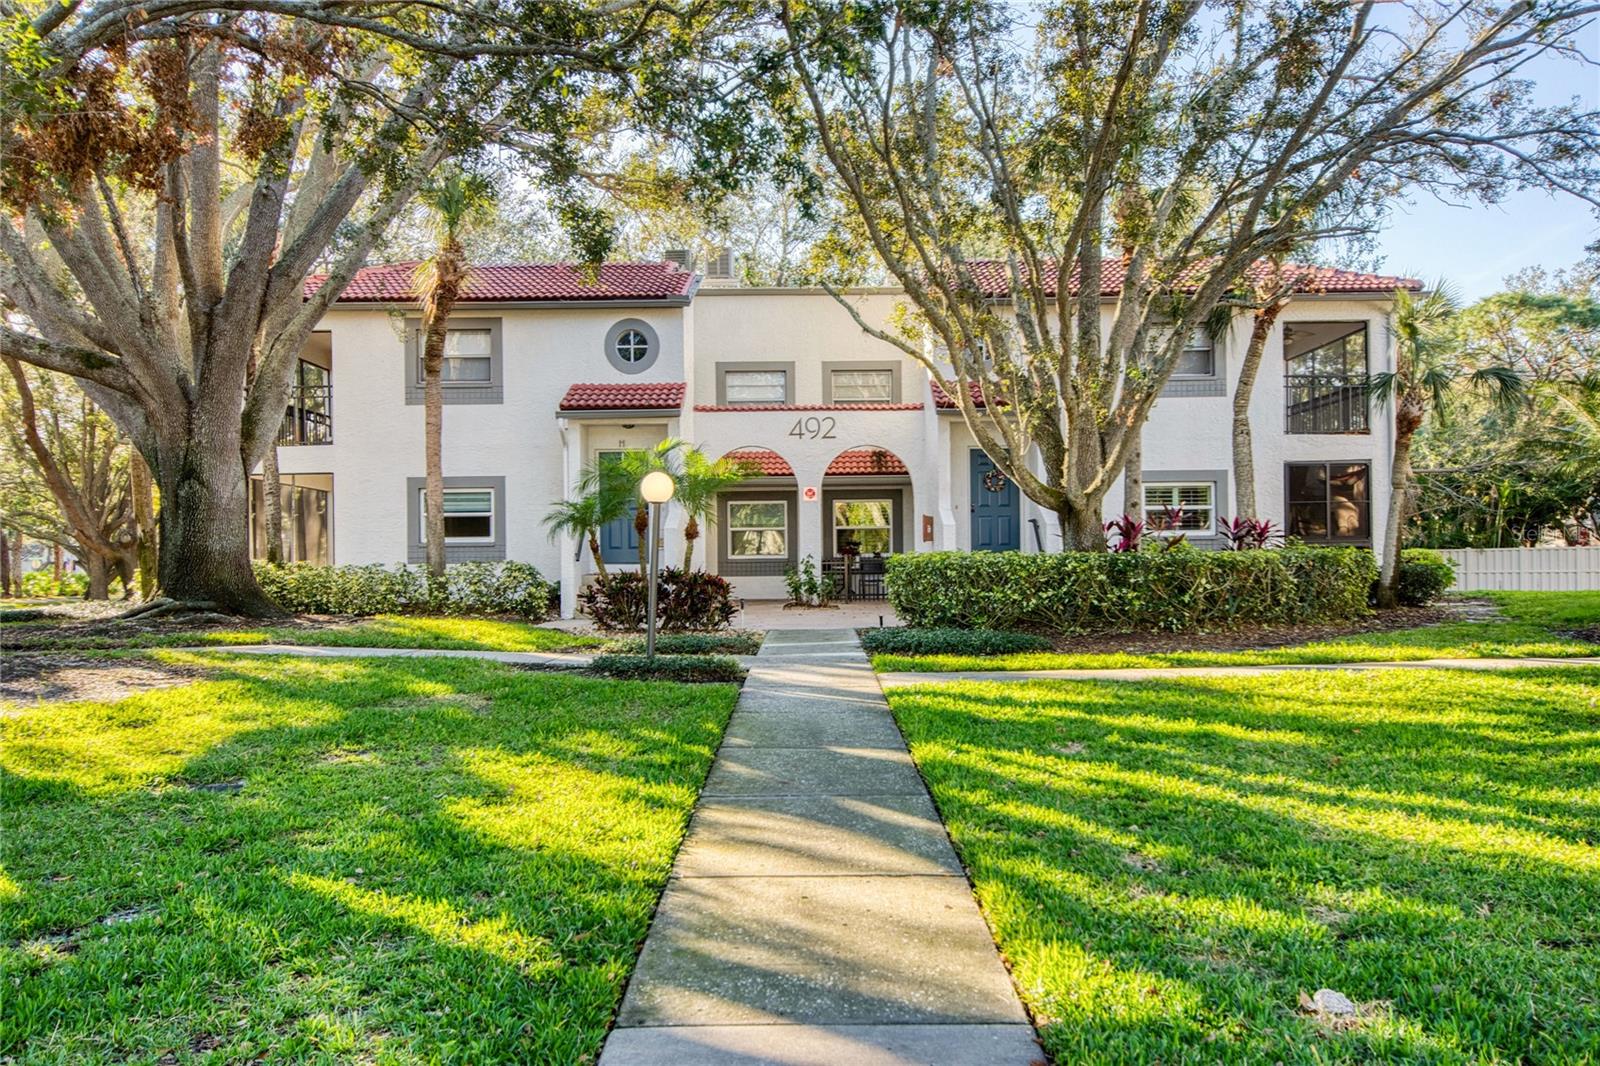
(548, 370)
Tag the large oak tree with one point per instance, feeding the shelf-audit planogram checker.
(176, 171)
(1010, 173)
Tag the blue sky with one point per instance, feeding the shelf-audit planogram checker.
(1474, 246)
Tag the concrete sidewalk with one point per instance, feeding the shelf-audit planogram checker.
(817, 913)
(1178, 673)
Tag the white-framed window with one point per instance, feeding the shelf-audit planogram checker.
(1198, 358)
(632, 346)
(861, 386)
(869, 523)
(758, 529)
(468, 516)
(1196, 499)
(756, 386)
(468, 357)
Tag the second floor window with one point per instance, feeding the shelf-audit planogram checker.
(1198, 358)
(1325, 377)
(756, 386)
(862, 386)
(468, 358)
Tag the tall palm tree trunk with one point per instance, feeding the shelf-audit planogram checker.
(444, 288)
(1409, 412)
(1244, 460)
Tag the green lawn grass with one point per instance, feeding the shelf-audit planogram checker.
(1533, 629)
(428, 861)
(383, 631)
(1167, 865)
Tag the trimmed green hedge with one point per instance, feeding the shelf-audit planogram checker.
(906, 640)
(1083, 592)
(1424, 575)
(466, 589)
(697, 668)
(732, 643)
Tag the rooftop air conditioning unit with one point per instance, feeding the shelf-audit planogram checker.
(681, 256)
(719, 271)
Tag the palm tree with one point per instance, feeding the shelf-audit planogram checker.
(582, 518)
(701, 480)
(1426, 371)
(455, 199)
(616, 483)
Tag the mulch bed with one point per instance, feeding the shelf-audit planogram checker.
(1277, 636)
(26, 678)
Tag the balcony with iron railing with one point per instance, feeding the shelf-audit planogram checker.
(1326, 403)
(308, 419)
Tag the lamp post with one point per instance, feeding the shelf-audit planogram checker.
(657, 488)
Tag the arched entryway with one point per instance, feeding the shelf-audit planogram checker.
(753, 540)
(867, 515)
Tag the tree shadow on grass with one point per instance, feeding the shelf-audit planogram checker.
(1167, 865)
(428, 859)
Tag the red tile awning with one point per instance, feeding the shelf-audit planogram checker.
(629, 396)
(865, 462)
(767, 464)
(945, 402)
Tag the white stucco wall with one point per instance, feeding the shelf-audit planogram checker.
(378, 436)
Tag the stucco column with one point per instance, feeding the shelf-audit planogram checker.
(571, 462)
(808, 518)
(942, 501)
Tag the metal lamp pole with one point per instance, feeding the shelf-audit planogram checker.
(657, 488)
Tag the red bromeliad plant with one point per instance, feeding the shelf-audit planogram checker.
(1244, 534)
(1129, 530)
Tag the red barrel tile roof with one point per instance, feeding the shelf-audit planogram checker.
(808, 407)
(992, 277)
(945, 402)
(769, 464)
(626, 396)
(865, 462)
(523, 282)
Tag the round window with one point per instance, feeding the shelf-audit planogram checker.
(632, 345)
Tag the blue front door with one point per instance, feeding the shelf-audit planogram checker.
(619, 541)
(996, 508)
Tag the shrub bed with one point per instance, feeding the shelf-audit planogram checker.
(732, 643)
(1081, 592)
(686, 599)
(466, 588)
(696, 668)
(907, 640)
(1424, 575)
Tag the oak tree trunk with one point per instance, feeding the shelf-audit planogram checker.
(5, 564)
(142, 486)
(99, 570)
(205, 524)
(1081, 529)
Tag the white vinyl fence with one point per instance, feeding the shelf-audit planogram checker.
(1525, 569)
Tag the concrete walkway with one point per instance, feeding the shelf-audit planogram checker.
(1177, 673)
(817, 913)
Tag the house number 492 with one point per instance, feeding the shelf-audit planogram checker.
(812, 428)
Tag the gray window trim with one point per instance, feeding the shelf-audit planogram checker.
(1221, 498)
(620, 327)
(722, 380)
(829, 366)
(1212, 384)
(485, 552)
(895, 495)
(492, 391)
(730, 567)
